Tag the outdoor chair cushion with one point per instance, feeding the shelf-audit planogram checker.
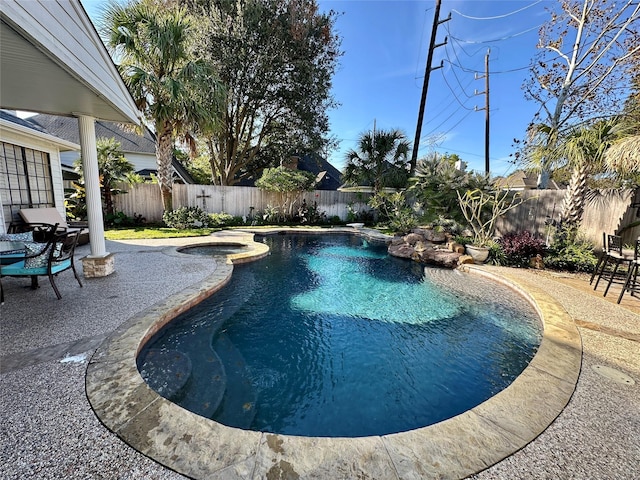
(19, 268)
(41, 254)
(17, 237)
(11, 257)
(47, 259)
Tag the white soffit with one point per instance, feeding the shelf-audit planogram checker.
(53, 61)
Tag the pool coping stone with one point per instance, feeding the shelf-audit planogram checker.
(201, 448)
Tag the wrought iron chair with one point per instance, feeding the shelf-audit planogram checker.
(614, 259)
(631, 283)
(46, 259)
(602, 259)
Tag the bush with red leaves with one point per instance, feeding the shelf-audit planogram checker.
(519, 248)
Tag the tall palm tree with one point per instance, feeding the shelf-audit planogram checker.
(112, 166)
(382, 160)
(624, 155)
(584, 151)
(176, 92)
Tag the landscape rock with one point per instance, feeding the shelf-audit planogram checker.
(465, 259)
(430, 235)
(435, 237)
(421, 246)
(402, 250)
(413, 238)
(440, 258)
(427, 247)
(397, 240)
(455, 247)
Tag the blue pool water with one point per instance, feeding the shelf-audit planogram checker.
(329, 336)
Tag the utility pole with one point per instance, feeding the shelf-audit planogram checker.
(486, 109)
(425, 85)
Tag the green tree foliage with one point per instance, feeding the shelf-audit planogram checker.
(198, 166)
(436, 183)
(623, 157)
(288, 184)
(176, 91)
(113, 167)
(586, 49)
(583, 151)
(393, 211)
(630, 114)
(569, 250)
(276, 59)
(381, 160)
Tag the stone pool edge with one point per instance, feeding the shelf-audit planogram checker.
(455, 448)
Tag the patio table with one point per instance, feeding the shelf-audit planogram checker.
(10, 250)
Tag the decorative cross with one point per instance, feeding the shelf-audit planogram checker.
(204, 199)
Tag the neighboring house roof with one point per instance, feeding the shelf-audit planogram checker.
(67, 128)
(130, 141)
(327, 176)
(521, 180)
(8, 119)
(11, 117)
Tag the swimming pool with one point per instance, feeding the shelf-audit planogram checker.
(353, 343)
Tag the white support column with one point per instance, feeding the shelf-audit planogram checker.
(99, 263)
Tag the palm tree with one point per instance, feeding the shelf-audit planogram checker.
(382, 160)
(176, 92)
(583, 150)
(623, 156)
(436, 183)
(113, 167)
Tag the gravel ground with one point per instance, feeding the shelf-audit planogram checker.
(48, 430)
(597, 436)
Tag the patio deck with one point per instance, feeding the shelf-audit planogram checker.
(48, 430)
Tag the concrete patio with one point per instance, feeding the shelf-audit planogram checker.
(48, 429)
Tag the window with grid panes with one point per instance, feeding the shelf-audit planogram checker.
(25, 180)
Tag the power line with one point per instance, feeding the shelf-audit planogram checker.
(493, 72)
(435, 129)
(441, 109)
(448, 27)
(451, 128)
(497, 16)
(456, 75)
(454, 93)
(500, 39)
(424, 23)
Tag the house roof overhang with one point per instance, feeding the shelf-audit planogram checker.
(53, 61)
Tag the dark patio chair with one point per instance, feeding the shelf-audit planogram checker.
(602, 259)
(32, 232)
(27, 233)
(46, 259)
(631, 283)
(614, 260)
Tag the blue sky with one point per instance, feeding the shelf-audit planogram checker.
(381, 73)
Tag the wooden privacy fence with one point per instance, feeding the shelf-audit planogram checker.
(605, 211)
(144, 199)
